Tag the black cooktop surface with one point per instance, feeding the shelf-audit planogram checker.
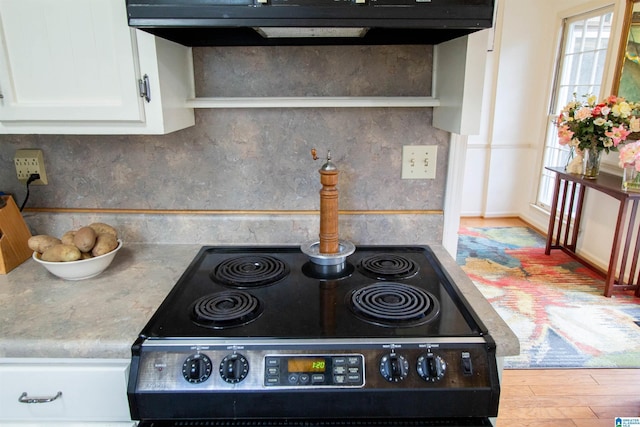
(276, 292)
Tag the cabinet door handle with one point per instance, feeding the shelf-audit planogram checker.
(145, 88)
(25, 399)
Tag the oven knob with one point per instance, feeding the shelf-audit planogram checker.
(196, 368)
(234, 368)
(431, 367)
(394, 367)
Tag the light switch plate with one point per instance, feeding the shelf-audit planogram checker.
(419, 161)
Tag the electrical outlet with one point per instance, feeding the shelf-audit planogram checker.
(419, 161)
(29, 162)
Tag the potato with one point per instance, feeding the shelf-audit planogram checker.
(61, 253)
(105, 243)
(85, 255)
(100, 228)
(67, 238)
(85, 239)
(42, 242)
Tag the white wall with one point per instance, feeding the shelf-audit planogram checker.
(519, 70)
(503, 163)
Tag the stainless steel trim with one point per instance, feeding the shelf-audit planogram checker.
(312, 250)
(241, 343)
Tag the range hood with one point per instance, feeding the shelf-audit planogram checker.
(309, 22)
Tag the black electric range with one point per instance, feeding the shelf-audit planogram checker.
(262, 335)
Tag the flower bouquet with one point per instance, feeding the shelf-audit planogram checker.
(592, 127)
(629, 160)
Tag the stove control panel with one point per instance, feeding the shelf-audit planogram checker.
(272, 365)
(341, 370)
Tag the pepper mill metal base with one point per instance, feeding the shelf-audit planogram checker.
(312, 250)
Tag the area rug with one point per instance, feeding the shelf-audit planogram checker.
(551, 302)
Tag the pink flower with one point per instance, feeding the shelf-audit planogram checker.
(630, 155)
(617, 134)
(565, 135)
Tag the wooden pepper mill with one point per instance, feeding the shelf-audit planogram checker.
(329, 243)
(330, 253)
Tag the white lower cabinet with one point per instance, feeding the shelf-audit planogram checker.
(90, 392)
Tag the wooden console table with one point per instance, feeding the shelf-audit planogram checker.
(569, 193)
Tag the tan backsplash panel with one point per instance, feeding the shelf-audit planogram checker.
(313, 71)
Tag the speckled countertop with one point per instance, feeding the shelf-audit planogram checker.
(43, 316)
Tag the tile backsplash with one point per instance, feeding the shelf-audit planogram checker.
(256, 161)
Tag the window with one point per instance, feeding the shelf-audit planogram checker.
(579, 70)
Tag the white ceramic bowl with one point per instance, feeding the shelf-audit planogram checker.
(81, 269)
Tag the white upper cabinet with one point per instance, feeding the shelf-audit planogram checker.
(459, 83)
(73, 67)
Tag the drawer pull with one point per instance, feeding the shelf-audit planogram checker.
(25, 399)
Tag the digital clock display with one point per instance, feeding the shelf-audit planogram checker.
(306, 364)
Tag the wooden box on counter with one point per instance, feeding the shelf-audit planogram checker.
(14, 235)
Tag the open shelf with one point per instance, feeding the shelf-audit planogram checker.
(313, 102)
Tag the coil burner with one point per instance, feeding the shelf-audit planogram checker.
(388, 267)
(227, 309)
(394, 305)
(250, 271)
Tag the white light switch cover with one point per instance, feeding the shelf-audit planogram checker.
(419, 161)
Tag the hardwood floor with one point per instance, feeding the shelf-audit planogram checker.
(563, 397)
(498, 222)
(492, 222)
(568, 397)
